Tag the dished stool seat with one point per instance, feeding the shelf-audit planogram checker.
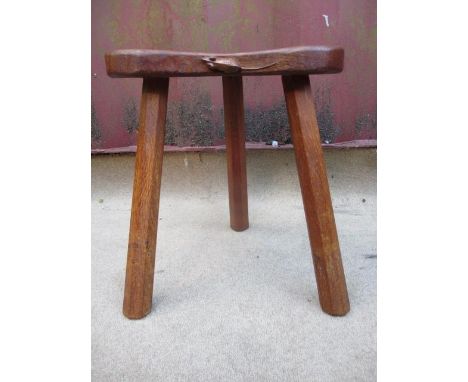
(294, 65)
(164, 63)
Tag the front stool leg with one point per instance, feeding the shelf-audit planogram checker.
(318, 208)
(235, 152)
(145, 201)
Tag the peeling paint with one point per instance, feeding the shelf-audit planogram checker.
(365, 122)
(197, 123)
(192, 122)
(95, 130)
(267, 124)
(326, 20)
(130, 119)
(325, 116)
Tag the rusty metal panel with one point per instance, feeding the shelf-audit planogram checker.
(346, 102)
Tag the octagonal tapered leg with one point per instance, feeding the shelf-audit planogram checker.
(145, 201)
(318, 208)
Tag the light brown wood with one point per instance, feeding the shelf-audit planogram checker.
(235, 152)
(165, 63)
(318, 208)
(145, 203)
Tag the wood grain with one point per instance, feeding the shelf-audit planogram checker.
(145, 203)
(235, 152)
(318, 208)
(164, 63)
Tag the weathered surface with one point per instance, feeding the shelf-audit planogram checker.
(345, 103)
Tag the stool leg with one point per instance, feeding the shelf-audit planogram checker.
(235, 152)
(318, 208)
(145, 202)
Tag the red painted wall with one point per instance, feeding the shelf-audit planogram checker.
(346, 102)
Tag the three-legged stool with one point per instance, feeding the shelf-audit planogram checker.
(294, 65)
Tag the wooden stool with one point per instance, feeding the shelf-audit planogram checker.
(294, 64)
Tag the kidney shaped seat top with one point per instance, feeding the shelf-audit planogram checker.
(165, 63)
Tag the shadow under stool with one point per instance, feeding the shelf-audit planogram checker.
(294, 65)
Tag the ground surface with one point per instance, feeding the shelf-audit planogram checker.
(232, 306)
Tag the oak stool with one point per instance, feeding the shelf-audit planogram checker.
(294, 65)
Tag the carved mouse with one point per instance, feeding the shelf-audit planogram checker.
(229, 65)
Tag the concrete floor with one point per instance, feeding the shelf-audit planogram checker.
(234, 306)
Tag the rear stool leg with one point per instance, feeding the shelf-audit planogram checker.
(145, 202)
(235, 152)
(318, 208)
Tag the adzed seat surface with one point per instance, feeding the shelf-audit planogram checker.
(165, 63)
